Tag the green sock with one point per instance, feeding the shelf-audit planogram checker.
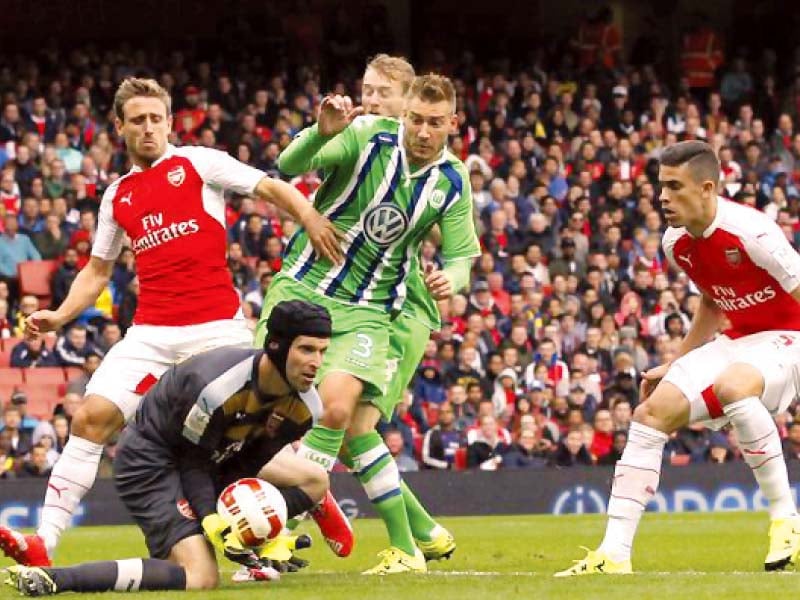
(378, 473)
(346, 459)
(420, 520)
(321, 445)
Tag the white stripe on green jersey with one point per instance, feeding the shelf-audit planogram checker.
(356, 232)
(410, 253)
(385, 212)
(308, 251)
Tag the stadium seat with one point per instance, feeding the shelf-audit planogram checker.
(5, 358)
(34, 278)
(680, 460)
(45, 375)
(9, 343)
(460, 462)
(6, 389)
(418, 440)
(432, 414)
(11, 375)
(71, 373)
(42, 398)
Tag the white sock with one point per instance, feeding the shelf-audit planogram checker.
(761, 446)
(378, 473)
(635, 483)
(327, 461)
(73, 475)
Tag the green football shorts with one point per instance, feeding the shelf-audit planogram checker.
(407, 340)
(360, 341)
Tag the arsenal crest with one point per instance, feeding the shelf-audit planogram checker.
(733, 256)
(185, 509)
(274, 423)
(176, 176)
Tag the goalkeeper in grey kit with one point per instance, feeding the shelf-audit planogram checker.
(219, 416)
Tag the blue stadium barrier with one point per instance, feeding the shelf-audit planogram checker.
(694, 488)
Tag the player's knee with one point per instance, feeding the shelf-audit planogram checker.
(337, 415)
(642, 413)
(201, 579)
(365, 419)
(666, 410)
(340, 394)
(737, 382)
(358, 428)
(96, 420)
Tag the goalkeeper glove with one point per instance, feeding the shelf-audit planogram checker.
(219, 533)
(279, 552)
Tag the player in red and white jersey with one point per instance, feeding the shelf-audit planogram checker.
(743, 263)
(171, 207)
(749, 277)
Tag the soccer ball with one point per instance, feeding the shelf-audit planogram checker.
(254, 509)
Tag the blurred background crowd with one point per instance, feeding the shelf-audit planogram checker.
(538, 363)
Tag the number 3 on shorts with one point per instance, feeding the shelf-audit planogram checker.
(363, 348)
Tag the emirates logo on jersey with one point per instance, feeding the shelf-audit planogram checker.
(155, 234)
(726, 298)
(177, 175)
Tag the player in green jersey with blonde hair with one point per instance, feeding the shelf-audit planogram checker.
(388, 182)
(383, 90)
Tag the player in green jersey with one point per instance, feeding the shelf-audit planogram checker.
(384, 85)
(387, 184)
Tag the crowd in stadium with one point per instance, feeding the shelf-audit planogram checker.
(538, 363)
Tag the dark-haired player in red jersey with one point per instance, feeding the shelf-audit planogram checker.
(171, 207)
(749, 277)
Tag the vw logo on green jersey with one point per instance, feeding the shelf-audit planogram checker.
(385, 224)
(437, 199)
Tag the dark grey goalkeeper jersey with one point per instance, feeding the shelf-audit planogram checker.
(203, 425)
(211, 408)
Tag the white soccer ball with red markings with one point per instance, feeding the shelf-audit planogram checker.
(254, 509)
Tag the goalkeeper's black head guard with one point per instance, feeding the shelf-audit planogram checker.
(288, 320)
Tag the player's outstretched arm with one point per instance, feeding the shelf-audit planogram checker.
(323, 235)
(320, 146)
(82, 294)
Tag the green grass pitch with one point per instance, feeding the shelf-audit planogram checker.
(681, 556)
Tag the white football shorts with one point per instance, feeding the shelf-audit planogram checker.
(776, 355)
(138, 360)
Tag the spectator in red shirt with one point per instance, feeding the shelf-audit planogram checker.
(188, 119)
(502, 299)
(603, 434)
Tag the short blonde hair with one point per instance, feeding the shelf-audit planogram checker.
(131, 87)
(433, 88)
(395, 68)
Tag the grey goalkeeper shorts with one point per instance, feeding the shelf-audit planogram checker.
(149, 485)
